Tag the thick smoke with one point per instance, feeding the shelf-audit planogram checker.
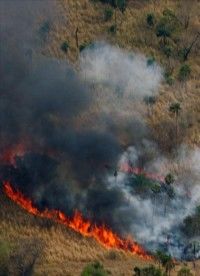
(129, 72)
(68, 167)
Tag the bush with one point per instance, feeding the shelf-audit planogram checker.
(167, 25)
(112, 29)
(169, 78)
(94, 269)
(184, 72)
(169, 179)
(150, 19)
(108, 14)
(148, 271)
(65, 46)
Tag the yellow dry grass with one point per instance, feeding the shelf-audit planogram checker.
(65, 252)
(133, 35)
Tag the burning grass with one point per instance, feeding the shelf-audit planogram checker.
(100, 233)
(65, 251)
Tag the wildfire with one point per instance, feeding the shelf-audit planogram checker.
(102, 234)
(125, 167)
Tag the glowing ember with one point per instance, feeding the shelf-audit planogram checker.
(101, 233)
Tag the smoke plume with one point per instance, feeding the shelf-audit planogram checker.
(59, 165)
(129, 72)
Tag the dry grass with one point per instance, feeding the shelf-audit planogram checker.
(65, 252)
(134, 35)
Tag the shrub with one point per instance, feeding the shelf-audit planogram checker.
(150, 19)
(169, 179)
(65, 46)
(94, 269)
(167, 25)
(169, 78)
(112, 29)
(108, 14)
(148, 271)
(184, 72)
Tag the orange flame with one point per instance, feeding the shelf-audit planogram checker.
(102, 234)
(126, 168)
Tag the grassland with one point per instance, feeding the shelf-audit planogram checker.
(133, 34)
(63, 251)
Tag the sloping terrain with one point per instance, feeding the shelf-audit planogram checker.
(63, 251)
(134, 34)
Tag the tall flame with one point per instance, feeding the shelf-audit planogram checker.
(102, 234)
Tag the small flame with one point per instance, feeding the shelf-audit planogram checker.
(126, 168)
(102, 234)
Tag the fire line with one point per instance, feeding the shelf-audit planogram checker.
(102, 234)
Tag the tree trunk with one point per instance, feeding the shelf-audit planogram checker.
(76, 36)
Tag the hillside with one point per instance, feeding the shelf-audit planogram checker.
(120, 146)
(62, 251)
(134, 34)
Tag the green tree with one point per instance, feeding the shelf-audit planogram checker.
(175, 108)
(94, 269)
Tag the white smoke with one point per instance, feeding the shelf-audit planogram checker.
(119, 69)
(156, 219)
